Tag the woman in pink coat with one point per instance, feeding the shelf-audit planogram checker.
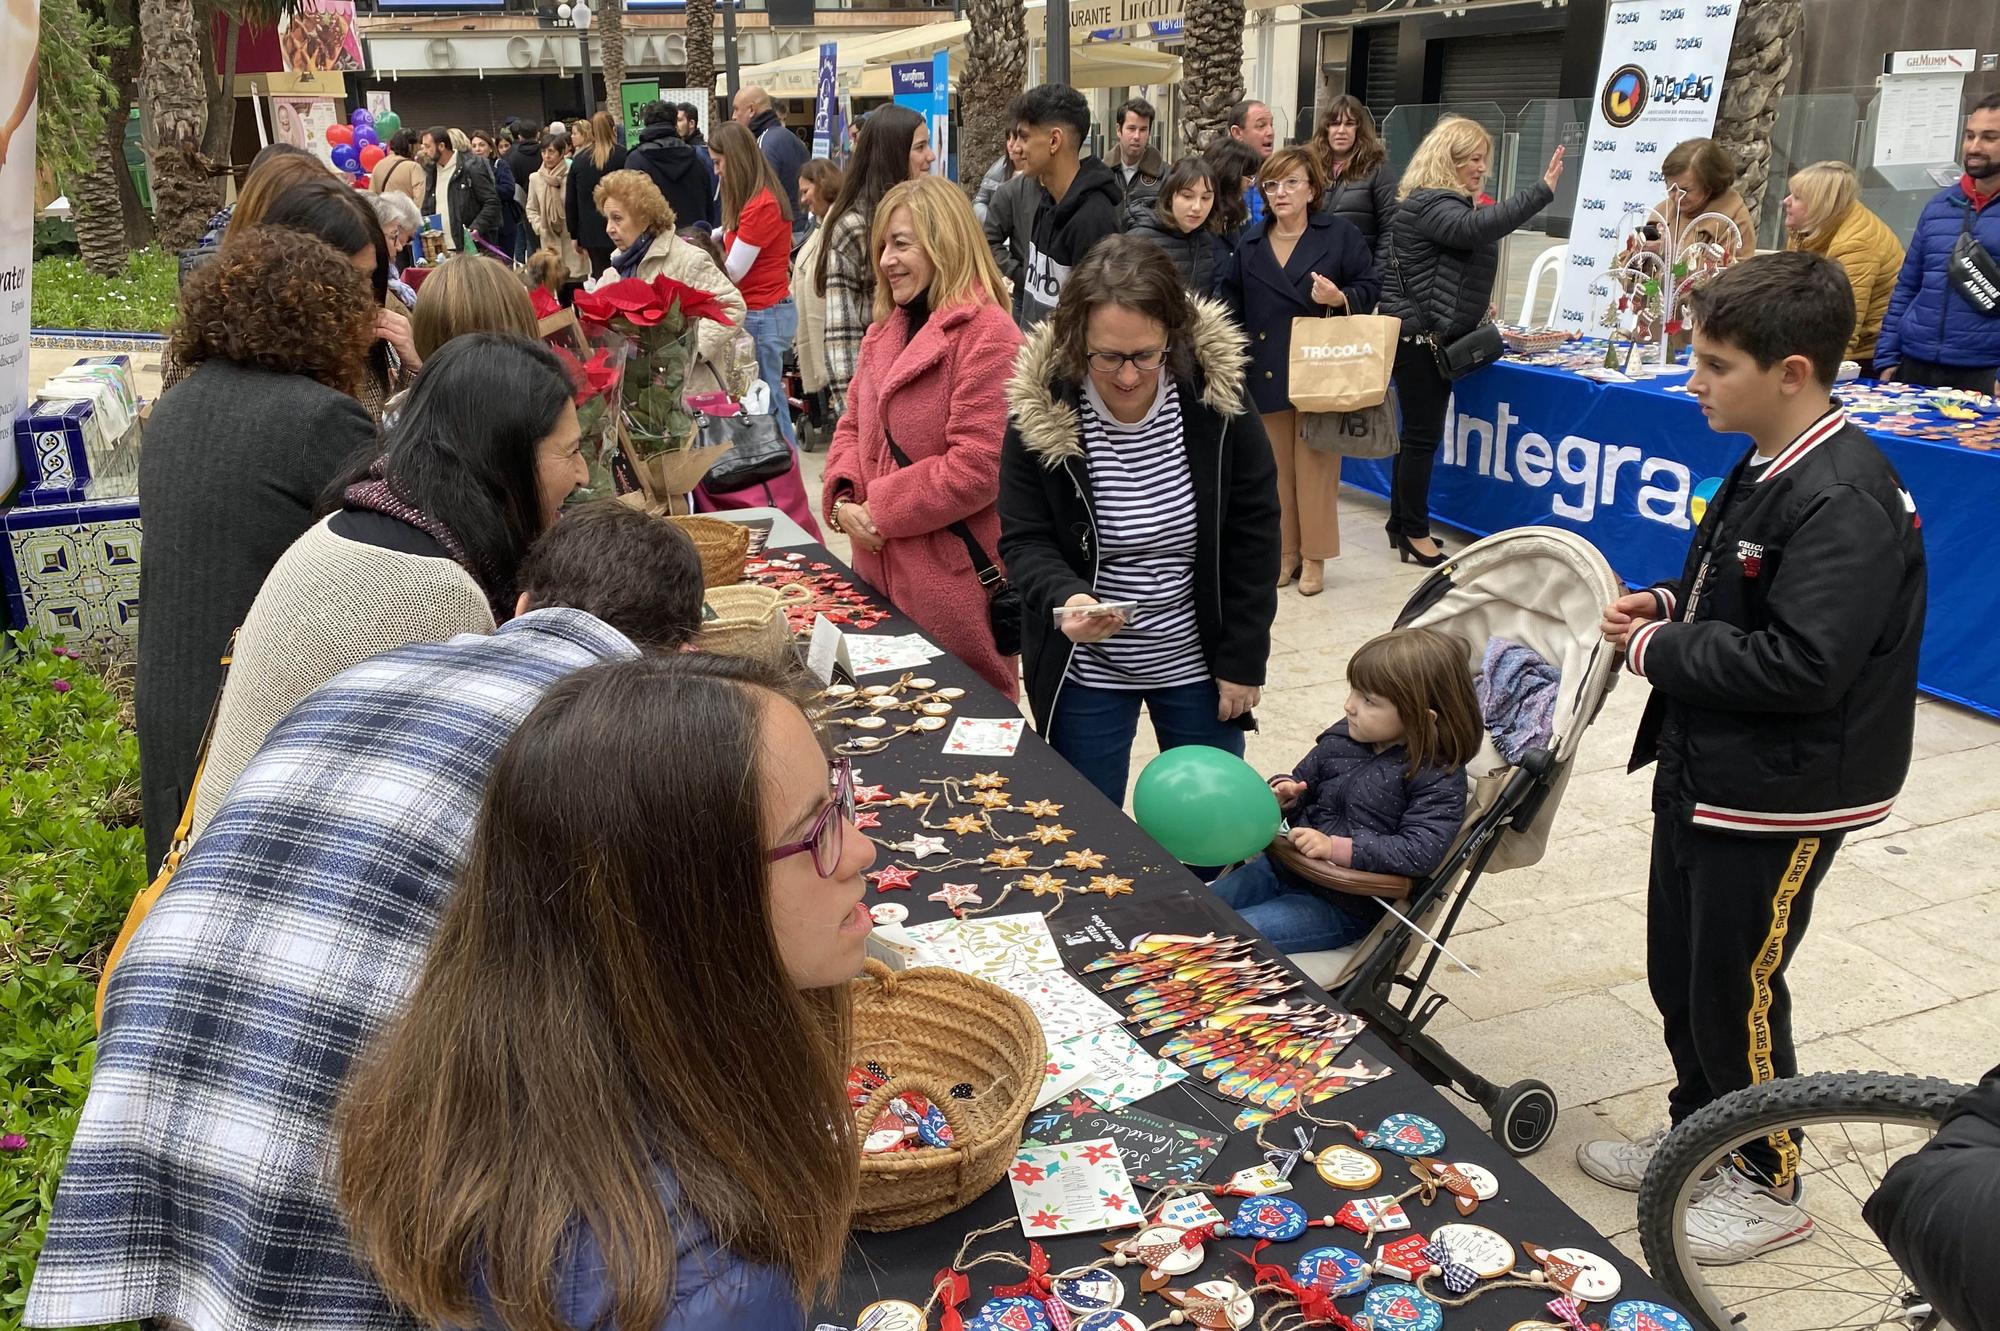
(933, 376)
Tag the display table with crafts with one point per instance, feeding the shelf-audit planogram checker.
(1161, 1168)
(1540, 440)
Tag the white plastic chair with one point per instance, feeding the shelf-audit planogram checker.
(1549, 263)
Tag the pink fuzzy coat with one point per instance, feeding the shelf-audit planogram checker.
(944, 397)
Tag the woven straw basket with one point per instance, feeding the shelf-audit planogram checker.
(723, 547)
(931, 1029)
(750, 621)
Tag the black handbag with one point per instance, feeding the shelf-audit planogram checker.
(757, 452)
(1973, 273)
(1464, 354)
(1003, 600)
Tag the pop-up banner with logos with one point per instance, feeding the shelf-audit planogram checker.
(1658, 82)
(18, 31)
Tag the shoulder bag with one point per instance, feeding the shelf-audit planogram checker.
(1003, 600)
(1972, 272)
(1474, 350)
(757, 452)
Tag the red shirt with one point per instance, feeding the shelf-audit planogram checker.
(770, 277)
(1971, 191)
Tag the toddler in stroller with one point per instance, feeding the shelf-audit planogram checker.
(1382, 791)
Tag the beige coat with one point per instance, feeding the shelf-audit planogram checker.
(545, 215)
(812, 312)
(1728, 204)
(725, 350)
(399, 174)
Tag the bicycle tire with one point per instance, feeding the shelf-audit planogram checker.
(1690, 1150)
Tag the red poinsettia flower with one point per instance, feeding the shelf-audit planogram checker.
(544, 302)
(592, 378)
(693, 301)
(1026, 1172)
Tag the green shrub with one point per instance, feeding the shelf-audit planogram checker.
(72, 857)
(143, 300)
(54, 235)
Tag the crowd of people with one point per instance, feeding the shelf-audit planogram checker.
(401, 700)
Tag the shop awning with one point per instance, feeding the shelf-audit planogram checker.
(864, 62)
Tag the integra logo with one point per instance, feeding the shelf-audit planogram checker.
(1624, 96)
(1688, 88)
(1672, 15)
(1586, 473)
(1582, 261)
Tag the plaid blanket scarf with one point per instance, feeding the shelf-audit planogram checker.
(200, 1188)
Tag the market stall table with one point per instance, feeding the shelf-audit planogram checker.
(1622, 463)
(1163, 897)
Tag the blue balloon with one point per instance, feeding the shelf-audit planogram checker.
(346, 159)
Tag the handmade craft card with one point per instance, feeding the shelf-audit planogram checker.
(1061, 1002)
(1157, 1151)
(985, 738)
(991, 946)
(1114, 1069)
(1079, 1187)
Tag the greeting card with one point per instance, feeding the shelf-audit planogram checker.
(992, 946)
(1107, 1065)
(991, 739)
(1079, 1187)
(1061, 1002)
(1157, 1151)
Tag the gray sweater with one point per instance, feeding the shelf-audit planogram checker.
(235, 459)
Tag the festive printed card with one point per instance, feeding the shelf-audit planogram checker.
(873, 653)
(1110, 1067)
(988, 739)
(1061, 1002)
(991, 946)
(1079, 1187)
(1157, 1151)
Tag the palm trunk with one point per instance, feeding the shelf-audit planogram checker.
(100, 201)
(171, 83)
(701, 51)
(609, 24)
(1760, 59)
(1211, 68)
(996, 68)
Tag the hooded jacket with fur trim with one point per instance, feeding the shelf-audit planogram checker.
(1048, 529)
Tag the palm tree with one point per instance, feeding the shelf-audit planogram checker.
(1211, 68)
(102, 239)
(171, 86)
(996, 68)
(610, 24)
(1760, 59)
(701, 51)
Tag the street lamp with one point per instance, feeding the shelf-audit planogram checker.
(577, 15)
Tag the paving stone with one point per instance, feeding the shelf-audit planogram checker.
(1941, 862)
(1959, 1040)
(1578, 868)
(1950, 785)
(1944, 727)
(1513, 960)
(1587, 1047)
(1950, 945)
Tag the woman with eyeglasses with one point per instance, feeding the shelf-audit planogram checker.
(1299, 262)
(655, 1133)
(1138, 516)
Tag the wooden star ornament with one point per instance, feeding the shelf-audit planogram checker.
(1047, 833)
(966, 824)
(892, 879)
(1043, 884)
(987, 781)
(1111, 885)
(1041, 809)
(1008, 857)
(1082, 859)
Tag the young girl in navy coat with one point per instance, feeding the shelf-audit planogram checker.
(1383, 790)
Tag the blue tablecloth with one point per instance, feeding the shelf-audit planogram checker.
(1618, 463)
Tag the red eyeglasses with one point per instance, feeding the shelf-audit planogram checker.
(824, 838)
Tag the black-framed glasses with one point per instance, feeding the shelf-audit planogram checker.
(826, 836)
(1111, 362)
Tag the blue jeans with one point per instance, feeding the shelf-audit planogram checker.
(1294, 919)
(1093, 729)
(774, 328)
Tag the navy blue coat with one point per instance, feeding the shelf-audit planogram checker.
(1400, 824)
(1927, 319)
(1266, 297)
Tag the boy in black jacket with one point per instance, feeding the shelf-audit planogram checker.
(1079, 201)
(1784, 669)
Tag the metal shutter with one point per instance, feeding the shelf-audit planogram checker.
(1379, 83)
(1511, 69)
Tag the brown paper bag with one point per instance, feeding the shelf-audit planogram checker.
(1343, 363)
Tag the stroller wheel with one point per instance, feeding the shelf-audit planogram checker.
(1524, 1116)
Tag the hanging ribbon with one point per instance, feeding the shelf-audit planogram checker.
(1037, 1286)
(1315, 1302)
(951, 1288)
(1457, 1276)
(1570, 1311)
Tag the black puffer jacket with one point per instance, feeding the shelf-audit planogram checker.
(1198, 255)
(1443, 254)
(1933, 1207)
(1400, 823)
(1367, 201)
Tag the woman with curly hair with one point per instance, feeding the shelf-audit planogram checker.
(276, 332)
(641, 226)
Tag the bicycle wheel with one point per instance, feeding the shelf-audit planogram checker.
(1855, 1125)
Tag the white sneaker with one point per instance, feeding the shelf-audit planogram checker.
(1734, 1220)
(1619, 1164)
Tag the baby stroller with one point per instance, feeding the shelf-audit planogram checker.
(1546, 589)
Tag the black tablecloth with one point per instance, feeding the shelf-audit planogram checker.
(1167, 898)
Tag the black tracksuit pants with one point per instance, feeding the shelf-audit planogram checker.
(1724, 914)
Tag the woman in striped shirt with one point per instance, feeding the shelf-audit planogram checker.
(1138, 516)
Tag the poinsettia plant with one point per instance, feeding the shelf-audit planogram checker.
(655, 322)
(598, 383)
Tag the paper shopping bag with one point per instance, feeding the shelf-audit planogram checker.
(1342, 364)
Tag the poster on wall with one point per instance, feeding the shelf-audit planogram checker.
(634, 96)
(923, 86)
(319, 38)
(303, 123)
(20, 25)
(1659, 79)
(826, 102)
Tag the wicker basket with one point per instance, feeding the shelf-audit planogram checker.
(933, 1029)
(1533, 341)
(723, 547)
(750, 621)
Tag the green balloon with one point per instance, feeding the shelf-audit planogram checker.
(387, 123)
(1205, 806)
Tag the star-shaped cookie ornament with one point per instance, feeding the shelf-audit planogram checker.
(1082, 859)
(991, 799)
(966, 824)
(1047, 833)
(924, 847)
(870, 794)
(892, 879)
(1041, 809)
(1111, 885)
(1008, 857)
(911, 799)
(1043, 884)
(955, 895)
(987, 781)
